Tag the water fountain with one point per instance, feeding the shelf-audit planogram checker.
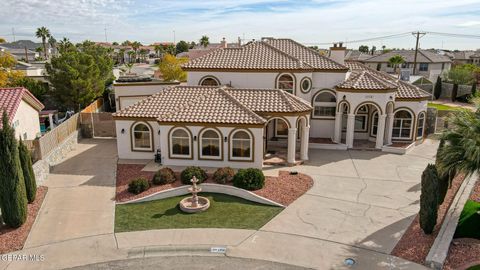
(195, 203)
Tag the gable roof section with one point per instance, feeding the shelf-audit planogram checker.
(271, 54)
(404, 90)
(219, 105)
(423, 56)
(304, 54)
(10, 99)
(363, 80)
(269, 100)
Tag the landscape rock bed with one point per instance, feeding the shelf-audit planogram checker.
(464, 251)
(415, 244)
(13, 239)
(283, 189)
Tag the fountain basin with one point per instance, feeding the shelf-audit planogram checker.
(186, 205)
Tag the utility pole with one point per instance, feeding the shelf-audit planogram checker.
(13, 34)
(174, 38)
(105, 33)
(418, 36)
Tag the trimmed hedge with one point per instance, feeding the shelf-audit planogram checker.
(249, 179)
(138, 185)
(224, 175)
(28, 174)
(164, 176)
(429, 199)
(191, 171)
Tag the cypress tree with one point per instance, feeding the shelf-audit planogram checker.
(28, 174)
(474, 89)
(429, 199)
(437, 91)
(12, 185)
(454, 92)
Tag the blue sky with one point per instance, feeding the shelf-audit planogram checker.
(307, 21)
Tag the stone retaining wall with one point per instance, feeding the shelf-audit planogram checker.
(448, 87)
(41, 168)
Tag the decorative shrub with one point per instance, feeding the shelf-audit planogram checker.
(223, 175)
(138, 185)
(469, 220)
(250, 179)
(164, 176)
(191, 171)
(437, 91)
(27, 169)
(429, 199)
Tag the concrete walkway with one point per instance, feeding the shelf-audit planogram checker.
(359, 207)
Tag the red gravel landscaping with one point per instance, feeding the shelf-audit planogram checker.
(13, 239)
(464, 252)
(414, 244)
(283, 189)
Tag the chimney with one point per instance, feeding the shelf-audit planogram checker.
(337, 53)
(239, 41)
(223, 43)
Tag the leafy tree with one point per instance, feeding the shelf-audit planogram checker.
(395, 61)
(2, 40)
(170, 66)
(170, 49)
(126, 43)
(204, 41)
(363, 49)
(13, 199)
(53, 43)
(65, 45)
(115, 43)
(37, 88)
(79, 76)
(429, 199)
(27, 169)
(8, 76)
(458, 75)
(437, 91)
(43, 33)
(461, 150)
(182, 46)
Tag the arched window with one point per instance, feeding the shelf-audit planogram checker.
(210, 144)
(142, 137)
(402, 125)
(241, 146)
(287, 83)
(324, 105)
(281, 128)
(420, 125)
(374, 129)
(209, 81)
(180, 142)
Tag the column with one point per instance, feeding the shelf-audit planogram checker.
(338, 127)
(350, 130)
(292, 134)
(304, 143)
(389, 129)
(380, 131)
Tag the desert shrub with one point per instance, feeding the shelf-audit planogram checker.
(192, 171)
(223, 175)
(164, 176)
(429, 199)
(138, 185)
(249, 179)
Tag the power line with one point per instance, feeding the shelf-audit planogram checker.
(453, 35)
(365, 40)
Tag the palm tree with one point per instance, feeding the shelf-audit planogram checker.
(158, 49)
(204, 41)
(122, 54)
(39, 50)
(135, 45)
(43, 33)
(460, 152)
(131, 54)
(64, 44)
(129, 66)
(395, 61)
(53, 43)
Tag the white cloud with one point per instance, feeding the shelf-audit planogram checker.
(469, 24)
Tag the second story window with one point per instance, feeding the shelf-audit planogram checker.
(287, 83)
(423, 67)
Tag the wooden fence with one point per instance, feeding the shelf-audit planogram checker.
(44, 145)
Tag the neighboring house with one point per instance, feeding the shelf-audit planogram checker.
(273, 96)
(199, 50)
(23, 111)
(429, 63)
(20, 54)
(476, 58)
(131, 89)
(356, 55)
(34, 70)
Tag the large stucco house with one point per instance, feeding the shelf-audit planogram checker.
(271, 97)
(23, 111)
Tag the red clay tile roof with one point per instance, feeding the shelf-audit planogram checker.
(221, 105)
(363, 80)
(10, 99)
(405, 90)
(271, 54)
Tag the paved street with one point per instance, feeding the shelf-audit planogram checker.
(359, 206)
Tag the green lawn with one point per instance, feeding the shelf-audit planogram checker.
(476, 267)
(442, 107)
(225, 212)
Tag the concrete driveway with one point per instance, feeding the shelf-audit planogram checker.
(363, 199)
(80, 198)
